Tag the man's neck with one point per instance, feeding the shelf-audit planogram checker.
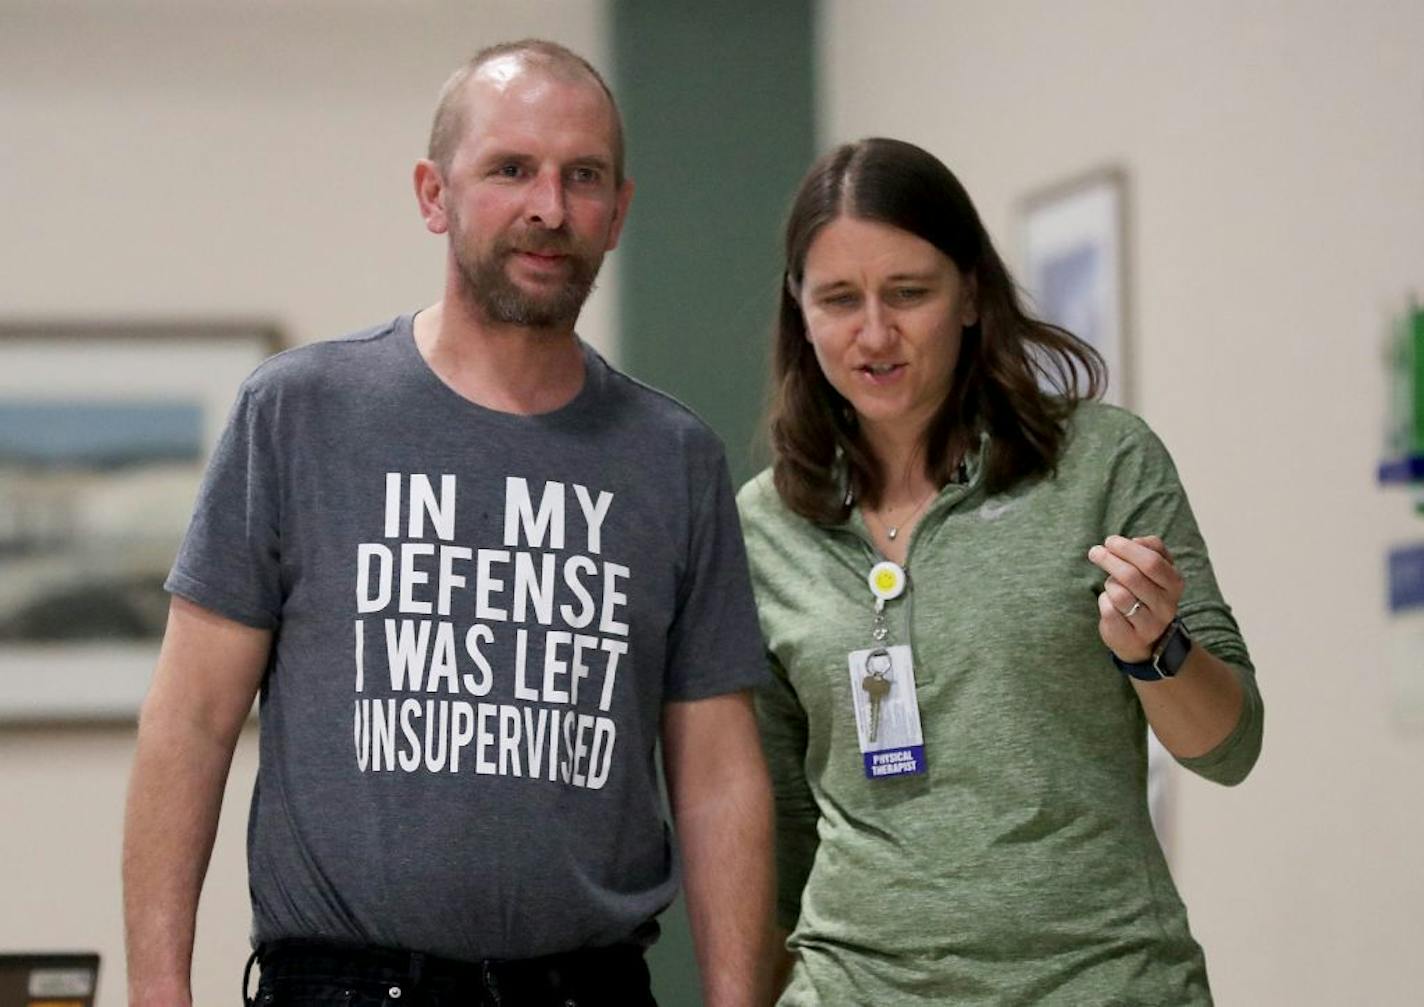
(507, 368)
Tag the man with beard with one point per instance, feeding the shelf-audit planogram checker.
(477, 575)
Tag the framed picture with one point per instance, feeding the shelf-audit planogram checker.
(105, 430)
(1075, 270)
(1075, 266)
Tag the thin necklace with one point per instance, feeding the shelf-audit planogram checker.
(893, 530)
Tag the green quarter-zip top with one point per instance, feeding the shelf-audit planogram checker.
(1022, 866)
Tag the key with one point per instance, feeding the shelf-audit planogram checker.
(876, 685)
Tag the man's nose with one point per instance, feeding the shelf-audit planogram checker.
(546, 201)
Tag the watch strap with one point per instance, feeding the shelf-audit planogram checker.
(1168, 656)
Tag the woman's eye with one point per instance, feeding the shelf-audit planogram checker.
(907, 295)
(842, 300)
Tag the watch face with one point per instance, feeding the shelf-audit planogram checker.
(1169, 660)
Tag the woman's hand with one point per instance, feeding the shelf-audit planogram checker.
(1139, 599)
(1192, 712)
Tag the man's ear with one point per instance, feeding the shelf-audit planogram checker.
(430, 194)
(623, 197)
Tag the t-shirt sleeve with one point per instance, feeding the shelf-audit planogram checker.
(230, 560)
(714, 643)
(782, 719)
(1146, 498)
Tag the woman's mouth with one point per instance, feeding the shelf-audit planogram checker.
(880, 373)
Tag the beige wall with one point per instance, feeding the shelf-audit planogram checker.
(205, 159)
(1276, 158)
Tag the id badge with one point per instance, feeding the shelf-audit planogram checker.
(887, 711)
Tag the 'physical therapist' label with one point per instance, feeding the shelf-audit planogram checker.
(887, 711)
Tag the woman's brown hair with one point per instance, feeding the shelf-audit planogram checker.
(1005, 359)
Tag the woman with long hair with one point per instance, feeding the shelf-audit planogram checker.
(979, 586)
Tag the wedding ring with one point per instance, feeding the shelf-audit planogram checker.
(1133, 610)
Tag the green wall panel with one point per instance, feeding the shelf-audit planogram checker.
(718, 102)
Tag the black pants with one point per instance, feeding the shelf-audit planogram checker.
(308, 974)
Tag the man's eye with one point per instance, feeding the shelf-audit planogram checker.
(509, 171)
(587, 176)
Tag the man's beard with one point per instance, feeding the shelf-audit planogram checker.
(485, 283)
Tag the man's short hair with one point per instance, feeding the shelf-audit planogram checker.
(449, 125)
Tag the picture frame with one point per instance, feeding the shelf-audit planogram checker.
(1075, 270)
(1074, 263)
(105, 431)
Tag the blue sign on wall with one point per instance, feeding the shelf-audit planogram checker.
(1406, 578)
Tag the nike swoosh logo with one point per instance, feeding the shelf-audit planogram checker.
(992, 512)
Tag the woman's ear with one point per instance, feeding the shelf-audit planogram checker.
(970, 311)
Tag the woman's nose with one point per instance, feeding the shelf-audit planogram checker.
(877, 330)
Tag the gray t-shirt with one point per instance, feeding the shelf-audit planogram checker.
(478, 619)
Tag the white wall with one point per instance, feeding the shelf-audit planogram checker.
(201, 159)
(1276, 160)
(207, 159)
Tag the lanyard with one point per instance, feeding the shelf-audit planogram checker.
(887, 582)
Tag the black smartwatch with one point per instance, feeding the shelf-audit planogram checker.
(1168, 655)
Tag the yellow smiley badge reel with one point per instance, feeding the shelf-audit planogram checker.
(887, 582)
